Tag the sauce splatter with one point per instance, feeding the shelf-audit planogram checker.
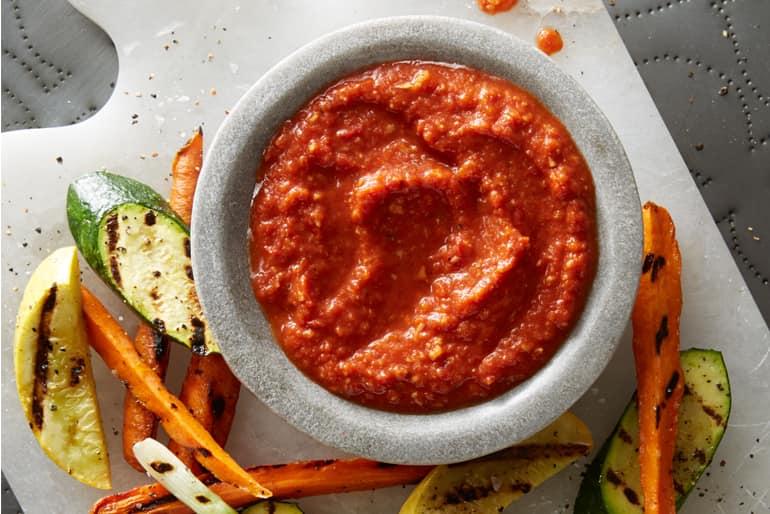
(549, 40)
(496, 6)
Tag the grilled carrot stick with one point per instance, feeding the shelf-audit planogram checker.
(209, 389)
(659, 376)
(138, 422)
(211, 392)
(117, 350)
(185, 169)
(294, 480)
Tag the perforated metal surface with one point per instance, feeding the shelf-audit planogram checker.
(58, 67)
(707, 66)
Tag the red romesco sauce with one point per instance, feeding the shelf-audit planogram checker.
(424, 236)
(549, 40)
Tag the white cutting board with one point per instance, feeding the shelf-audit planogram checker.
(197, 59)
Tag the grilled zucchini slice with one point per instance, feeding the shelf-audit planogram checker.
(133, 240)
(612, 484)
(53, 371)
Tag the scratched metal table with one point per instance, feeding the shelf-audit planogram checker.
(704, 62)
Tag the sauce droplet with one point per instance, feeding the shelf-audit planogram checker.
(496, 6)
(549, 40)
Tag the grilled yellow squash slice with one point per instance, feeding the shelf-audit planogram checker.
(53, 371)
(491, 483)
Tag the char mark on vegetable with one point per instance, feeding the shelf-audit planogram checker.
(661, 334)
(672, 382)
(77, 371)
(149, 218)
(42, 353)
(648, 260)
(187, 247)
(468, 493)
(718, 419)
(160, 325)
(625, 436)
(148, 506)
(679, 489)
(189, 272)
(318, 464)
(208, 480)
(115, 270)
(658, 408)
(537, 451)
(112, 232)
(204, 452)
(217, 406)
(660, 261)
(202, 499)
(631, 496)
(198, 338)
(161, 467)
(613, 477)
(159, 344)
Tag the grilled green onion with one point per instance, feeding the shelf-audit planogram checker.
(166, 468)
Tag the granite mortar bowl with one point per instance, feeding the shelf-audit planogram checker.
(221, 262)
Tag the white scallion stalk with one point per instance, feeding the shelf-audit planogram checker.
(166, 468)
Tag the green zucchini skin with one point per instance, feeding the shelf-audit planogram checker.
(589, 499)
(93, 204)
(611, 483)
(273, 507)
(706, 405)
(91, 197)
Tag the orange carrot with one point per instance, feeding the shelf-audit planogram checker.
(659, 375)
(138, 422)
(295, 480)
(209, 390)
(116, 349)
(185, 169)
